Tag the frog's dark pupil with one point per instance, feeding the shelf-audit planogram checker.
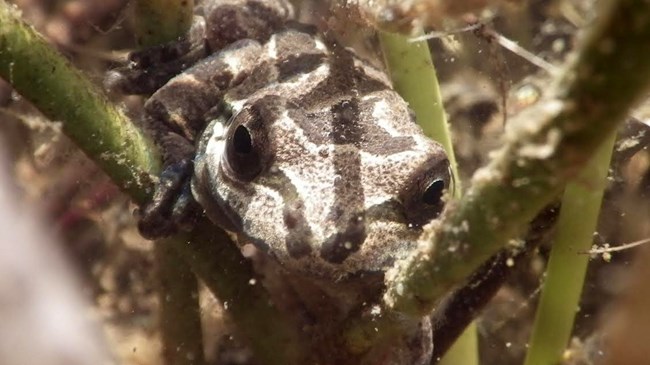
(242, 140)
(433, 193)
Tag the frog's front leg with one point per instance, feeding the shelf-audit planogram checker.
(216, 25)
(150, 68)
(175, 115)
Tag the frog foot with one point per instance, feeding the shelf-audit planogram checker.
(173, 207)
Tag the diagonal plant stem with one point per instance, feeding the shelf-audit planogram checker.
(107, 136)
(542, 153)
(39, 73)
(550, 146)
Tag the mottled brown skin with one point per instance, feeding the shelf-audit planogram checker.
(308, 153)
(296, 145)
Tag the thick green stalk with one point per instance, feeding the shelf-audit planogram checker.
(62, 93)
(414, 77)
(567, 266)
(541, 154)
(548, 147)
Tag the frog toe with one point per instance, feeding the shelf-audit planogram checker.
(172, 207)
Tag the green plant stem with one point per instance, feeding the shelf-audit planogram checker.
(63, 93)
(414, 77)
(547, 148)
(158, 22)
(162, 21)
(180, 314)
(464, 350)
(567, 265)
(542, 153)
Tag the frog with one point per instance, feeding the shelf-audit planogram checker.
(293, 143)
(290, 141)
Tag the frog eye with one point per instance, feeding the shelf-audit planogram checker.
(433, 193)
(423, 193)
(242, 141)
(244, 146)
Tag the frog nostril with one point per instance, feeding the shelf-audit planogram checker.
(433, 192)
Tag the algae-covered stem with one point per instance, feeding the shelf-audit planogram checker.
(610, 74)
(592, 98)
(62, 93)
(106, 135)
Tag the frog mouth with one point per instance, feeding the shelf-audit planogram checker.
(388, 211)
(214, 204)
